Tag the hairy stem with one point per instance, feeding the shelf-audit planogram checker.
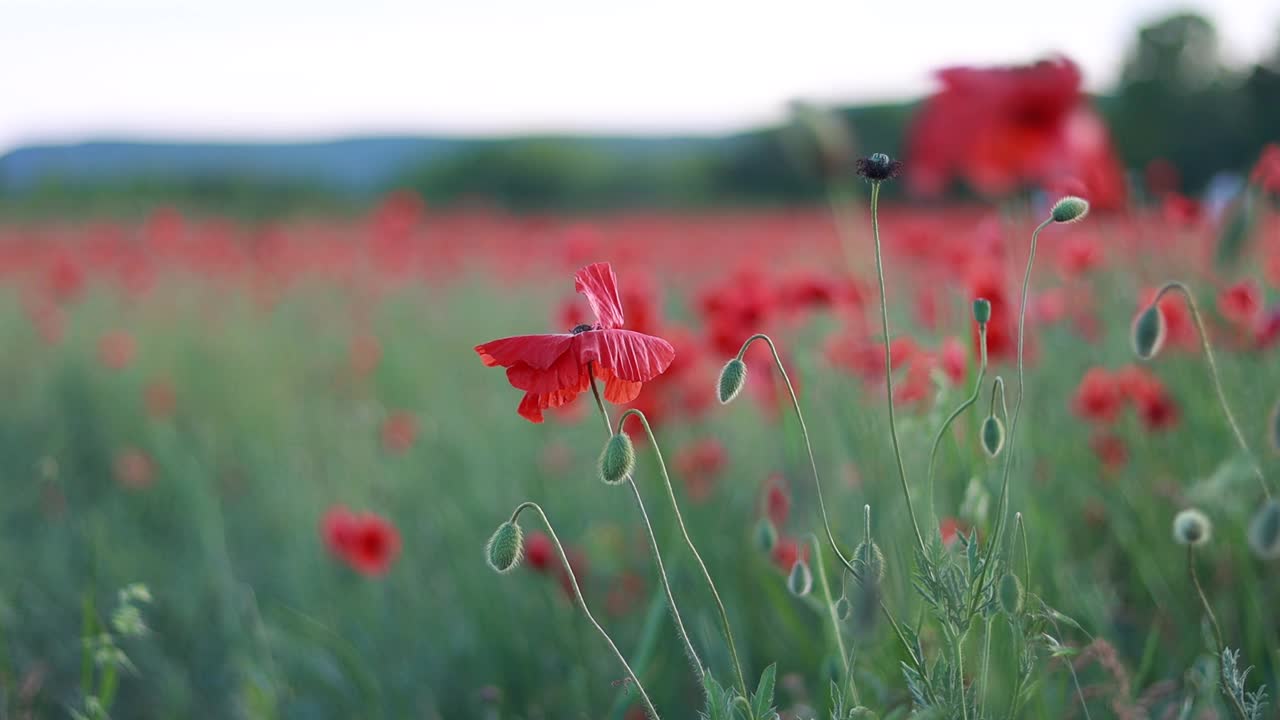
(582, 603)
(968, 402)
(831, 610)
(694, 660)
(1214, 376)
(675, 506)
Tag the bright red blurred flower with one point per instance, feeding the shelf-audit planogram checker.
(777, 500)
(1110, 449)
(985, 280)
(954, 360)
(1079, 254)
(1155, 407)
(1002, 127)
(1241, 303)
(787, 551)
(539, 551)
(1180, 210)
(134, 469)
(554, 369)
(399, 431)
(1266, 174)
(950, 528)
(116, 349)
(699, 464)
(1098, 397)
(1180, 331)
(368, 543)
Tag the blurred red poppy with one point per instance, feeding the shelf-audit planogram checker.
(134, 469)
(1241, 303)
(399, 431)
(554, 369)
(1098, 397)
(368, 543)
(539, 551)
(1266, 174)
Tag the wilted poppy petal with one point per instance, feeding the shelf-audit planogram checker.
(532, 405)
(617, 390)
(536, 351)
(630, 355)
(600, 285)
(566, 373)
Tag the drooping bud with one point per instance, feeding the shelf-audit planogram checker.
(1264, 531)
(1192, 527)
(766, 535)
(732, 378)
(618, 459)
(1070, 209)
(1148, 332)
(800, 581)
(868, 561)
(982, 311)
(992, 435)
(505, 547)
(1011, 594)
(843, 608)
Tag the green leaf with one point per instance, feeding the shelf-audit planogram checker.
(762, 701)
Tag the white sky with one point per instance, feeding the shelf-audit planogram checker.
(242, 69)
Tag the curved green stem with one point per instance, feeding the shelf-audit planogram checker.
(968, 402)
(888, 364)
(831, 610)
(804, 430)
(675, 506)
(694, 660)
(1214, 376)
(1217, 631)
(582, 603)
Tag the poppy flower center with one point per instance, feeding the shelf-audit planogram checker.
(579, 329)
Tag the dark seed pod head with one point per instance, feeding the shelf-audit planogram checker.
(618, 459)
(992, 435)
(800, 581)
(1264, 531)
(843, 608)
(879, 167)
(1011, 594)
(1148, 332)
(1192, 527)
(868, 561)
(982, 311)
(766, 535)
(1070, 209)
(732, 378)
(505, 547)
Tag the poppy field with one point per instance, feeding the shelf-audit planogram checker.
(1011, 457)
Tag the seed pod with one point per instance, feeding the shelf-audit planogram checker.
(1070, 209)
(843, 608)
(618, 459)
(1148, 332)
(732, 378)
(1264, 531)
(766, 535)
(992, 435)
(1192, 527)
(800, 581)
(868, 561)
(982, 311)
(1011, 594)
(505, 547)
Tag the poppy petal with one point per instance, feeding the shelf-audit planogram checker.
(532, 405)
(617, 390)
(536, 351)
(565, 374)
(600, 285)
(630, 355)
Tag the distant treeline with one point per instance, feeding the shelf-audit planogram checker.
(1176, 100)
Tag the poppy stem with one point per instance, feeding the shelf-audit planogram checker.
(804, 430)
(666, 478)
(582, 603)
(888, 363)
(1217, 631)
(1213, 375)
(831, 610)
(692, 654)
(968, 402)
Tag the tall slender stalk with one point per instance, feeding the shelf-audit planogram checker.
(675, 507)
(1217, 630)
(831, 611)
(653, 544)
(968, 402)
(1214, 376)
(888, 363)
(582, 603)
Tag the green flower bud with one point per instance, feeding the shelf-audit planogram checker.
(982, 311)
(1264, 531)
(1192, 527)
(1148, 332)
(732, 378)
(505, 547)
(992, 435)
(1011, 594)
(1070, 209)
(868, 561)
(843, 608)
(800, 581)
(766, 535)
(618, 459)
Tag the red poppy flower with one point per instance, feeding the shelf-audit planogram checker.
(1111, 450)
(538, 551)
(399, 431)
(787, 551)
(777, 500)
(1241, 303)
(366, 542)
(950, 528)
(554, 369)
(1098, 397)
(1266, 174)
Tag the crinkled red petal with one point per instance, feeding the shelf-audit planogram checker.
(600, 285)
(630, 355)
(536, 351)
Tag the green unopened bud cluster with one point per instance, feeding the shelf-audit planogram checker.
(1070, 209)
(732, 378)
(1148, 332)
(618, 459)
(505, 547)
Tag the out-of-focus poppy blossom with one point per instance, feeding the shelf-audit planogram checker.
(134, 469)
(160, 399)
(1111, 449)
(1266, 174)
(1098, 397)
(539, 551)
(1241, 303)
(787, 551)
(699, 464)
(777, 500)
(399, 431)
(554, 369)
(116, 349)
(369, 544)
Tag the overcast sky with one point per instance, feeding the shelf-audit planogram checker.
(303, 69)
